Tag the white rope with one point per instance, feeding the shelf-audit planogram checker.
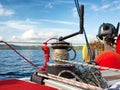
(71, 82)
(63, 71)
(90, 65)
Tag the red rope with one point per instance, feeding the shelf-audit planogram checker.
(46, 51)
(20, 55)
(49, 40)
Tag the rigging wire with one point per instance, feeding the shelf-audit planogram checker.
(77, 6)
(80, 13)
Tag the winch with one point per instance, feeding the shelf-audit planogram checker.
(61, 52)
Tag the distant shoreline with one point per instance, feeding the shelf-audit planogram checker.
(4, 47)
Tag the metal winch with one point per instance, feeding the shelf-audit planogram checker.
(61, 52)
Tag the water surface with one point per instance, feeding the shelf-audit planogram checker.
(13, 66)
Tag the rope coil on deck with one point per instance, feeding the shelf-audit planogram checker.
(71, 82)
(90, 65)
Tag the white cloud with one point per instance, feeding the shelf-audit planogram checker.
(5, 12)
(98, 8)
(1, 38)
(118, 7)
(116, 2)
(80, 39)
(106, 5)
(8, 12)
(32, 35)
(30, 30)
(47, 34)
(14, 38)
(49, 5)
(75, 13)
(58, 22)
(20, 24)
(64, 1)
(29, 35)
(28, 24)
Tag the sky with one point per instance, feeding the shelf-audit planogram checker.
(39, 20)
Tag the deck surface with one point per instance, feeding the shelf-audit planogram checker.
(15, 84)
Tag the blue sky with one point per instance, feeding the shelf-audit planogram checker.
(38, 20)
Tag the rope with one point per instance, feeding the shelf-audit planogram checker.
(68, 71)
(86, 39)
(20, 55)
(49, 40)
(90, 65)
(71, 82)
(77, 6)
(46, 51)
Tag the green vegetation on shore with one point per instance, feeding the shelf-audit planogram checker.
(4, 47)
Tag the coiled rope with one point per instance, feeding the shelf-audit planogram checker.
(71, 82)
(90, 65)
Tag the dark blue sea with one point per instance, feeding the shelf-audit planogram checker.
(13, 66)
